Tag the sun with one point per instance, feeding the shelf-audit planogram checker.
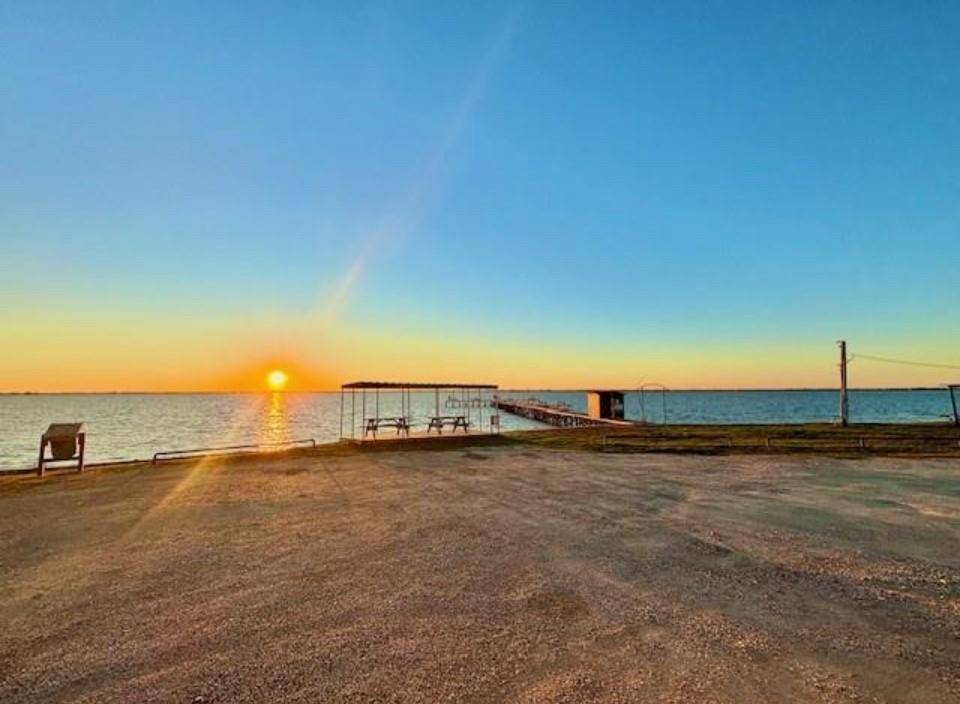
(277, 380)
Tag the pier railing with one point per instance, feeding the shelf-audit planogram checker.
(558, 416)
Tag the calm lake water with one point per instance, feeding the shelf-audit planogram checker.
(133, 426)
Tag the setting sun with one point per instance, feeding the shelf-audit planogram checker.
(277, 380)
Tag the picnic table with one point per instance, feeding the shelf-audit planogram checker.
(372, 425)
(455, 421)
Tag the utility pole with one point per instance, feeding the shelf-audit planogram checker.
(844, 405)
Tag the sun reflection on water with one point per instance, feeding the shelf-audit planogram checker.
(276, 420)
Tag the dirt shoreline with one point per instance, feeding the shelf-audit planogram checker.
(856, 440)
(487, 572)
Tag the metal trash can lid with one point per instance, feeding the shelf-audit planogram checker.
(63, 431)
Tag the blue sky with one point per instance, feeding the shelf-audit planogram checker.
(666, 175)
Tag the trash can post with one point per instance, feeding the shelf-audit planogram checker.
(43, 446)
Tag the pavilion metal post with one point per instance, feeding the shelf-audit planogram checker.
(953, 402)
(436, 398)
(341, 413)
(363, 412)
(353, 414)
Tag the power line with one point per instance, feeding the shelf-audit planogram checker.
(907, 362)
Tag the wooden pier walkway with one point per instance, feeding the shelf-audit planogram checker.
(551, 415)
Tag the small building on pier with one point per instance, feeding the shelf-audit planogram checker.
(606, 404)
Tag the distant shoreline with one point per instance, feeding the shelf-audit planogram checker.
(625, 389)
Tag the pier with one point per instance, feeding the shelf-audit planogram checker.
(554, 415)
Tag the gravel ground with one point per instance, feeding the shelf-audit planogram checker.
(493, 574)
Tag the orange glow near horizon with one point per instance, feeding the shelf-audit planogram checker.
(127, 353)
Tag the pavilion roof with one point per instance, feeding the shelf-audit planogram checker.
(413, 385)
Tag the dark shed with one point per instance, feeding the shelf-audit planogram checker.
(605, 404)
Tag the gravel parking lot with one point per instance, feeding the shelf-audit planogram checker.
(484, 574)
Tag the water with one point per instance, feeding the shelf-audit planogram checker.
(134, 426)
(866, 406)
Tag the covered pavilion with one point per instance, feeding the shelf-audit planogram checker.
(415, 408)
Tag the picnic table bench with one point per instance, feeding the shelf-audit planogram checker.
(372, 425)
(455, 421)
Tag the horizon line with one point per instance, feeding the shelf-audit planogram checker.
(626, 389)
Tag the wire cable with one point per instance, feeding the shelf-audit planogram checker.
(907, 362)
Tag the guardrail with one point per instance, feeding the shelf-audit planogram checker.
(692, 442)
(230, 449)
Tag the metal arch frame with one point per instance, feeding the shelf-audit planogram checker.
(663, 400)
(952, 388)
